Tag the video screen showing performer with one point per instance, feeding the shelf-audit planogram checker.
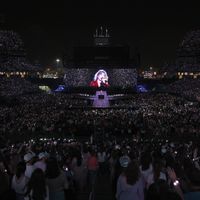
(100, 79)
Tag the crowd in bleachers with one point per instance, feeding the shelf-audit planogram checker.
(189, 88)
(124, 77)
(12, 53)
(188, 52)
(77, 77)
(191, 41)
(15, 86)
(19, 64)
(187, 59)
(10, 41)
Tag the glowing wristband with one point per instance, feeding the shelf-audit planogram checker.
(176, 182)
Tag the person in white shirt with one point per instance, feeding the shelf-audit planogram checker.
(19, 181)
(28, 158)
(41, 163)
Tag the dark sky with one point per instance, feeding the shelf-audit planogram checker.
(49, 28)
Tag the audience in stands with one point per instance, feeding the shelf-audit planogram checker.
(146, 147)
(188, 88)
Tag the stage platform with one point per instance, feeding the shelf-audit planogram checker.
(101, 99)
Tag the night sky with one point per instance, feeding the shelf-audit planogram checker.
(49, 29)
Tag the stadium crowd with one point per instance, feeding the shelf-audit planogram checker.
(56, 147)
(47, 114)
(152, 119)
(191, 41)
(77, 77)
(189, 88)
(136, 167)
(17, 65)
(12, 53)
(14, 86)
(10, 41)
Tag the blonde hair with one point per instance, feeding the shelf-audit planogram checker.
(101, 71)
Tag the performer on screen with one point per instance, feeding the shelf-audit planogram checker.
(100, 79)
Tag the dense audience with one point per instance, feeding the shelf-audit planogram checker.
(124, 77)
(10, 41)
(17, 65)
(12, 53)
(188, 59)
(191, 41)
(189, 88)
(136, 166)
(15, 86)
(160, 125)
(46, 114)
(77, 77)
(188, 52)
(56, 146)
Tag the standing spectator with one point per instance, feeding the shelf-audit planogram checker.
(41, 163)
(130, 184)
(80, 172)
(56, 180)
(19, 181)
(102, 161)
(92, 169)
(37, 188)
(28, 158)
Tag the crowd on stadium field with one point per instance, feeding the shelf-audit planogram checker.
(136, 167)
(152, 113)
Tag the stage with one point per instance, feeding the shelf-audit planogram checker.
(101, 99)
